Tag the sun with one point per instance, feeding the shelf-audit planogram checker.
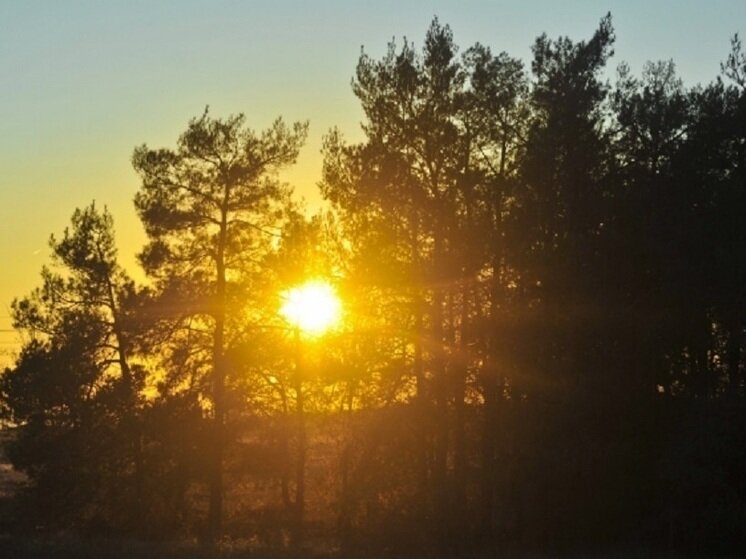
(312, 307)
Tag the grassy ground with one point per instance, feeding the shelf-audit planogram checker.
(10, 479)
(69, 548)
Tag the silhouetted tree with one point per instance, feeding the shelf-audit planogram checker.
(209, 208)
(74, 384)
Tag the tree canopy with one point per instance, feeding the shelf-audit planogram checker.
(542, 280)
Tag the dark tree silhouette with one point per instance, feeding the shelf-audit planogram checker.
(73, 383)
(209, 208)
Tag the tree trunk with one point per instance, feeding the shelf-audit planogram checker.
(733, 355)
(346, 503)
(459, 406)
(300, 467)
(131, 420)
(487, 480)
(215, 513)
(440, 386)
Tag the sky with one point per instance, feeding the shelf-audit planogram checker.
(82, 83)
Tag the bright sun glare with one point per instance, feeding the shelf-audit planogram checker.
(313, 307)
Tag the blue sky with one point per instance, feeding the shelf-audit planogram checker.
(83, 83)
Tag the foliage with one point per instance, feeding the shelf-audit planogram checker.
(544, 283)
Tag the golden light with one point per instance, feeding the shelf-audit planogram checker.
(312, 307)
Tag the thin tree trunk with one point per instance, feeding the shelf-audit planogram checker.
(300, 471)
(733, 355)
(418, 366)
(345, 508)
(285, 455)
(215, 513)
(440, 385)
(459, 395)
(487, 480)
(132, 423)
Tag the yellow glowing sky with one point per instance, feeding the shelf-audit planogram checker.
(83, 82)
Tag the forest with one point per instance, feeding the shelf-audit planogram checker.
(540, 275)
